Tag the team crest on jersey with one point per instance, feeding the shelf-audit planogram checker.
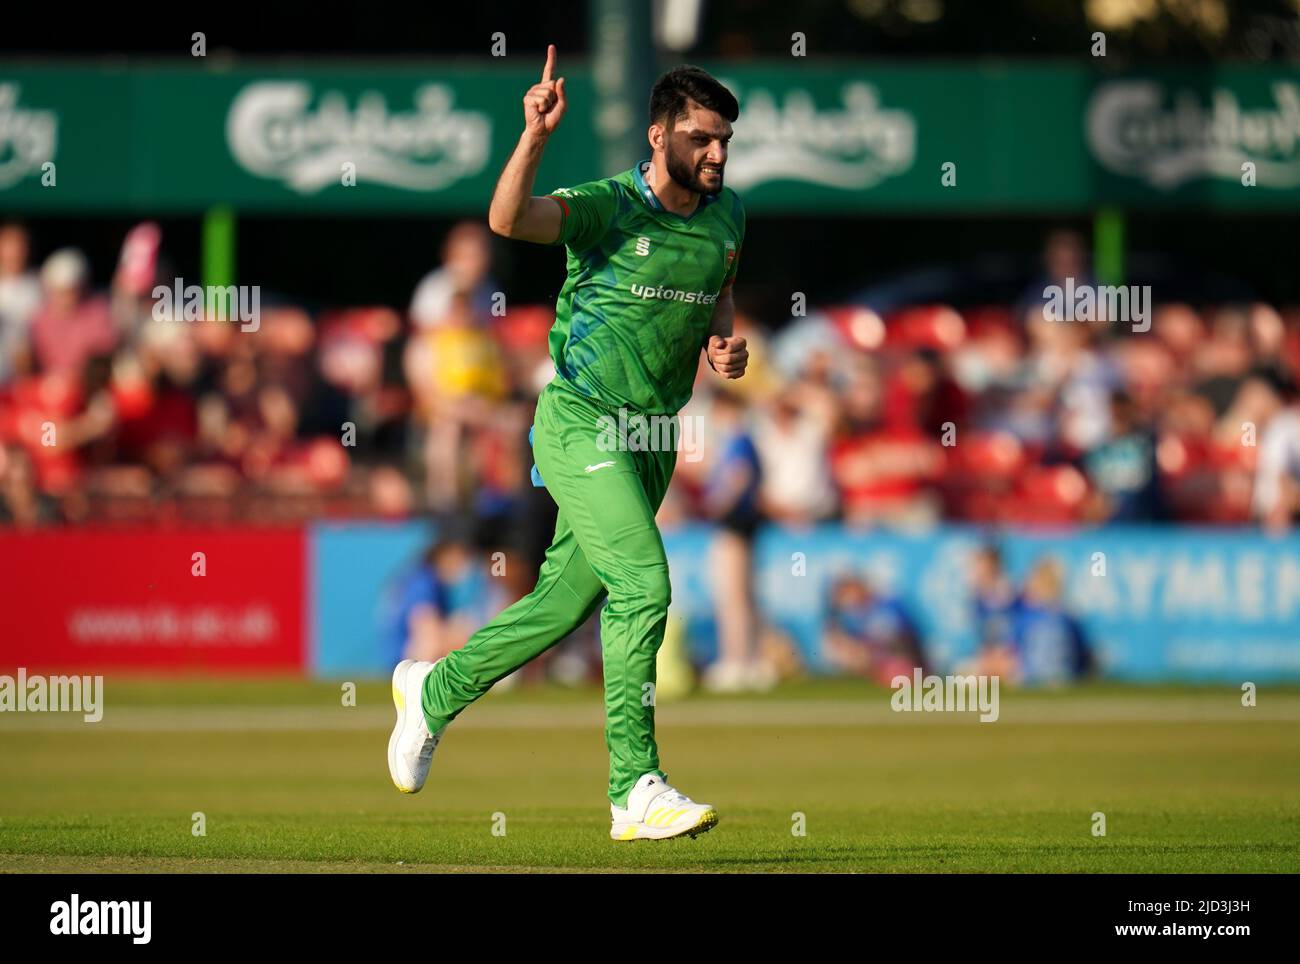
(730, 248)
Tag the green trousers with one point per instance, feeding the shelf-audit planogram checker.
(606, 545)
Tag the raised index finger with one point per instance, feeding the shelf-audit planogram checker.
(550, 63)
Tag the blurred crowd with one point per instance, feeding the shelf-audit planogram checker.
(1025, 633)
(993, 414)
(109, 413)
(999, 414)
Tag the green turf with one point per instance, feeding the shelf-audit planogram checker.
(290, 780)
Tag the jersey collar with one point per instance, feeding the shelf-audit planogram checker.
(652, 201)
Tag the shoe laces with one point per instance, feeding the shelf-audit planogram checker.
(674, 797)
(427, 747)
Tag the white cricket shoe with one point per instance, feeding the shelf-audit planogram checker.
(656, 811)
(411, 746)
(726, 677)
(761, 676)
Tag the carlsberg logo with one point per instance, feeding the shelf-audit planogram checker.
(274, 132)
(1140, 129)
(28, 138)
(852, 146)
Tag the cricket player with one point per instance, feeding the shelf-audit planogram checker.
(652, 254)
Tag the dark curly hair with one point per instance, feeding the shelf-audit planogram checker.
(672, 92)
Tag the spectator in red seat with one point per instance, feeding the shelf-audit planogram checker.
(358, 379)
(884, 471)
(71, 326)
(22, 504)
(1180, 329)
(922, 392)
(155, 399)
(1224, 359)
(1267, 333)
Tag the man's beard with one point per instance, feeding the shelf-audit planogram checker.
(681, 172)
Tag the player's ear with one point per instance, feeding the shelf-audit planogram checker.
(655, 135)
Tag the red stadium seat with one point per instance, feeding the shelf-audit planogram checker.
(934, 327)
(1049, 494)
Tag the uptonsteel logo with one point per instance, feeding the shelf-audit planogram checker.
(653, 292)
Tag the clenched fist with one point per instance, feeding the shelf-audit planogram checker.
(544, 103)
(728, 356)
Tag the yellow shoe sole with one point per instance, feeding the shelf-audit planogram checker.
(708, 820)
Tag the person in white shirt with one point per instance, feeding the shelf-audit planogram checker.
(1277, 471)
(20, 296)
(465, 270)
(793, 439)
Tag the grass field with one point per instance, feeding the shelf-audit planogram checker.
(288, 779)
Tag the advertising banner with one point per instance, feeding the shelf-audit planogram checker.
(193, 600)
(836, 137)
(1154, 604)
(1196, 605)
(356, 568)
(276, 139)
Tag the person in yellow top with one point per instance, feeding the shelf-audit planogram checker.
(456, 371)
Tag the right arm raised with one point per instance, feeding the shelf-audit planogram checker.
(514, 212)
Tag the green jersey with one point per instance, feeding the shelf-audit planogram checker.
(642, 284)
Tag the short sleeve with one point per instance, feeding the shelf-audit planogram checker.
(733, 266)
(586, 212)
(730, 277)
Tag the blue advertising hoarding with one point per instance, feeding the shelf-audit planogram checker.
(1155, 604)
